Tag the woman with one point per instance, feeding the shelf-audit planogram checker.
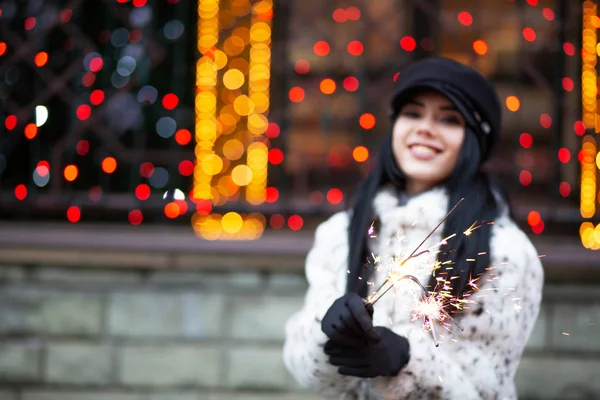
(446, 123)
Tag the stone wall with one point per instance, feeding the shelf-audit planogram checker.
(130, 334)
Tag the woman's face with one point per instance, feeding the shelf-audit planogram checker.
(427, 138)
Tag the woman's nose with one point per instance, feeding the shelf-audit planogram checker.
(426, 126)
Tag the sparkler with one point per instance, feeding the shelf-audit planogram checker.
(432, 305)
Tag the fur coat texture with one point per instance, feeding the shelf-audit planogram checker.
(477, 363)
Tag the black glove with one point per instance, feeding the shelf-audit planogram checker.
(383, 358)
(348, 322)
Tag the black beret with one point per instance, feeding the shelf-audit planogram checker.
(473, 95)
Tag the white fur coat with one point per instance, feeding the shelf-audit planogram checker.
(477, 363)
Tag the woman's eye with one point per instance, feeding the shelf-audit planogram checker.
(411, 114)
(451, 120)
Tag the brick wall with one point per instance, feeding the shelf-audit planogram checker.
(107, 334)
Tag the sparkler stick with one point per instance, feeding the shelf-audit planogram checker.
(375, 297)
(426, 296)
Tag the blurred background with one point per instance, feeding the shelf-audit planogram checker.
(164, 163)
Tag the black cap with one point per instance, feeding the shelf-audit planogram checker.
(473, 95)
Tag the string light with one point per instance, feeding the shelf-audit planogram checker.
(589, 234)
(226, 169)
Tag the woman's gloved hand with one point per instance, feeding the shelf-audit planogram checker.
(385, 357)
(348, 322)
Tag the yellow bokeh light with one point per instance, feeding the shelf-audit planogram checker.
(233, 149)
(233, 79)
(232, 222)
(233, 45)
(257, 124)
(260, 32)
(243, 105)
(240, 64)
(243, 33)
(211, 164)
(262, 7)
(241, 175)
(261, 102)
(220, 59)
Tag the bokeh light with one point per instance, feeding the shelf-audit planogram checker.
(480, 47)
(367, 121)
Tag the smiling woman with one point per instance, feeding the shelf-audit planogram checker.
(446, 122)
(427, 139)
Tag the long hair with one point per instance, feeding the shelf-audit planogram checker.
(467, 181)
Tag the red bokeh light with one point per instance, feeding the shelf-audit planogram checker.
(396, 75)
(170, 101)
(146, 169)
(567, 84)
(335, 196)
(545, 120)
(83, 112)
(30, 131)
(21, 192)
(529, 34)
(367, 121)
(532, 2)
(525, 140)
(564, 189)
(183, 206)
(10, 122)
(142, 191)
(30, 23)
(88, 79)
(66, 15)
(46, 167)
(302, 67)
(548, 14)
(96, 97)
(579, 128)
(172, 210)
(73, 214)
(272, 195)
(533, 218)
(96, 64)
(539, 228)
(408, 43)
(203, 207)
(82, 147)
(40, 59)
(340, 15)
(525, 178)
(355, 48)
(109, 165)
(135, 217)
(480, 47)
(295, 222)
(353, 13)
(351, 84)
(2, 48)
(186, 168)
(183, 137)
(564, 155)
(580, 156)
(465, 18)
(321, 48)
(275, 156)
(296, 94)
(273, 130)
(569, 49)
(139, 3)
(277, 221)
